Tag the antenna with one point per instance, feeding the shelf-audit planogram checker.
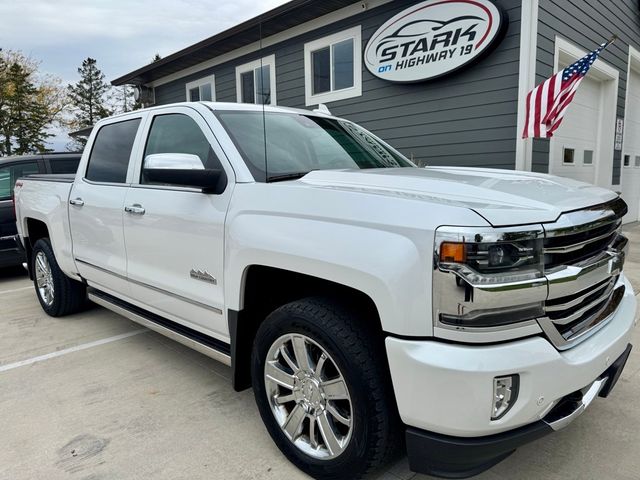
(263, 101)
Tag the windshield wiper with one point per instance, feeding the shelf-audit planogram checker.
(286, 176)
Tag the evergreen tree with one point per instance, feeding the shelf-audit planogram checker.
(25, 108)
(89, 96)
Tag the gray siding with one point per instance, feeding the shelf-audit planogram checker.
(586, 23)
(468, 118)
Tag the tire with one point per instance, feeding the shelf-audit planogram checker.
(67, 295)
(371, 436)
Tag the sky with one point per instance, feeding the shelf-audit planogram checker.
(121, 35)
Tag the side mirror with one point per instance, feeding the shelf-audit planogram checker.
(185, 170)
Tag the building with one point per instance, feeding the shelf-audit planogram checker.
(309, 52)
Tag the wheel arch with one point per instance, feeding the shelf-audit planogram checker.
(265, 288)
(34, 229)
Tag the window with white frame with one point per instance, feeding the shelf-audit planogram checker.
(333, 67)
(202, 90)
(256, 81)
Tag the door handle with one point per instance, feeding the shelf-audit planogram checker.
(78, 202)
(135, 209)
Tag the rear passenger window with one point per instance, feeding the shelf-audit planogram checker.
(9, 175)
(177, 133)
(109, 159)
(64, 165)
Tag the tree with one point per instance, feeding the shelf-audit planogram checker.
(89, 97)
(123, 100)
(29, 105)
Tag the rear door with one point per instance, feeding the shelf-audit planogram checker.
(96, 206)
(9, 173)
(175, 235)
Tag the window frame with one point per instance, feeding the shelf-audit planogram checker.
(584, 155)
(311, 99)
(86, 157)
(12, 165)
(208, 80)
(565, 149)
(149, 130)
(195, 112)
(252, 66)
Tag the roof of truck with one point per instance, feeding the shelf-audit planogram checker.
(220, 106)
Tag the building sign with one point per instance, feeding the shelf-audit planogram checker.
(619, 133)
(433, 38)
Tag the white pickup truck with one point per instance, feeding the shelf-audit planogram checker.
(368, 302)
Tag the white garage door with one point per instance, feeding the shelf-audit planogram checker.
(630, 172)
(574, 150)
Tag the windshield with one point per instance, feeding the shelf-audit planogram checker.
(297, 144)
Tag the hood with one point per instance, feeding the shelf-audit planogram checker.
(502, 197)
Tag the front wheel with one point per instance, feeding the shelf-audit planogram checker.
(58, 294)
(321, 390)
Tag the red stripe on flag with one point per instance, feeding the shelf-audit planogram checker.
(560, 117)
(538, 115)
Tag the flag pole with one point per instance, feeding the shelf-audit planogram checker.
(611, 40)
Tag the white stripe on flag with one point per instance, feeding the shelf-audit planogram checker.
(543, 108)
(532, 113)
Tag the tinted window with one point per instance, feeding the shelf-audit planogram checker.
(64, 165)
(300, 143)
(111, 150)
(9, 175)
(343, 64)
(247, 87)
(176, 133)
(5, 183)
(321, 70)
(263, 76)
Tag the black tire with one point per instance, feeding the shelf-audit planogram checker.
(69, 296)
(361, 359)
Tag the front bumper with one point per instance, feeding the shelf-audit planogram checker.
(462, 457)
(446, 389)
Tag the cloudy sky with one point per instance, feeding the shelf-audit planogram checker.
(120, 34)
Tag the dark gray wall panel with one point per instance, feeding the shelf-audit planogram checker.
(587, 23)
(468, 118)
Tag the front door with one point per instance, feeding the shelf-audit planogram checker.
(175, 235)
(96, 208)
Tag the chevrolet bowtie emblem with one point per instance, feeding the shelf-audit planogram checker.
(203, 276)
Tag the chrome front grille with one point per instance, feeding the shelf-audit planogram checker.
(584, 255)
(573, 248)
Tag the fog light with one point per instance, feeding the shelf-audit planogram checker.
(505, 394)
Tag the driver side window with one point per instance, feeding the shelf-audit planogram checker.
(178, 133)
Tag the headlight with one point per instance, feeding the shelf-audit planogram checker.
(497, 256)
(488, 278)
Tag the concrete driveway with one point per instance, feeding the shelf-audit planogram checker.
(93, 396)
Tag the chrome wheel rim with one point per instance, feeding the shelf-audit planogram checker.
(44, 279)
(308, 396)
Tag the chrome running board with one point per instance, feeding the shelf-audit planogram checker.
(200, 342)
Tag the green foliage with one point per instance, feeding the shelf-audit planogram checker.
(28, 105)
(89, 97)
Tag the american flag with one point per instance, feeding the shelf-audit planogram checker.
(548, 102)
